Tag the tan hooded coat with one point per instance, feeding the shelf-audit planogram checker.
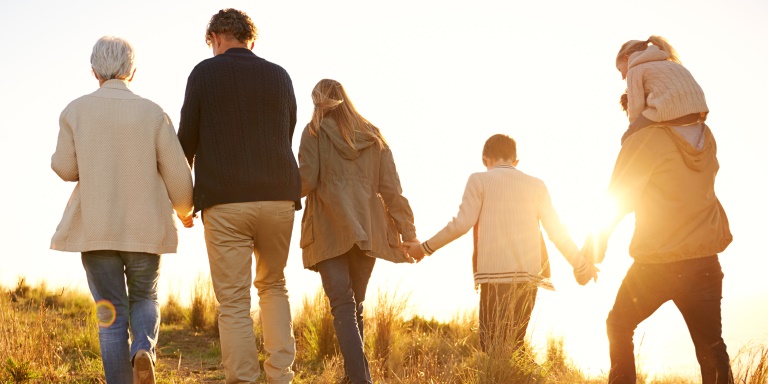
(353, 197)
(670, 186)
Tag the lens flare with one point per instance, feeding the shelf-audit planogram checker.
(105, 313)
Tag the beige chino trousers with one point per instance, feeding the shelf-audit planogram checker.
(234, 233)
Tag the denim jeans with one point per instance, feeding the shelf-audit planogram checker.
(695, 286)
(505, 311)
(108, 273)
(345, 280)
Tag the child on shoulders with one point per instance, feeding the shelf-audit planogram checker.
(659, 88)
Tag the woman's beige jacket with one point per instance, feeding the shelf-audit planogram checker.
(353, 197)
(131, 174)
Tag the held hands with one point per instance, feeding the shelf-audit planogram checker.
(413, 248)
(187, 220)
(585, 273)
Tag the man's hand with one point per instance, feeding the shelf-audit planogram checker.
(586, 273)
(594, 248)
(187, 220)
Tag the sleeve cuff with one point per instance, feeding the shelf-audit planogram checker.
(408, 235)
(426, 248)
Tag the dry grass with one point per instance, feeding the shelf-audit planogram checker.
(203, 314)
(751, 365)
(172, 312)
(51, 336)
(316, 345)
(47, 336)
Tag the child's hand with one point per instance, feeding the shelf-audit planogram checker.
(586, 273)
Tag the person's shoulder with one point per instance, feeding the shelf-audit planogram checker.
(496, 174)
(205, 65)
(150, 106)
(649, 139)
(531, 180)
(78, 101)
(74, 105)
(276, 67)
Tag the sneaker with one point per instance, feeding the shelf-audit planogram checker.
(143, 369)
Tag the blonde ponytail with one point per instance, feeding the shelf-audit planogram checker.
(664, 45)
(331, 100)
(633, 46)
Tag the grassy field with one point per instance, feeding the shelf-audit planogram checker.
(50, 336)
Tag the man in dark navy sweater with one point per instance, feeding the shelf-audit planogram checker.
(236, 129)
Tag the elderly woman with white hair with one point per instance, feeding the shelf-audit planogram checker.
(131, 175)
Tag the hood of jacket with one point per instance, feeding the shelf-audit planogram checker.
(360, 142)
(652, 53)
(696, 159)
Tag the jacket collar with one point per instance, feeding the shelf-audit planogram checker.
(239, 52)
(116, 84)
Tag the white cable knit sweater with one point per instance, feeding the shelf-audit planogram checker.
(509, 208)
(659, 89)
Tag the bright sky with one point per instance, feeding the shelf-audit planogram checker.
(438, 77)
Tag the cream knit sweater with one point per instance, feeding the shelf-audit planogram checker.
(509, 208)
(130, 170)
(659, 89)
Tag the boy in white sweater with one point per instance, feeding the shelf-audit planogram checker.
(507, 209)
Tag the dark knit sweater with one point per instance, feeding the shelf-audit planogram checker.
(236, 128)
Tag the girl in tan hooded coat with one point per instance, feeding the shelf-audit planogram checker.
(355, 212)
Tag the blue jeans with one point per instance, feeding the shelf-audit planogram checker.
(695, 286)
(116, 308)
(345, 280)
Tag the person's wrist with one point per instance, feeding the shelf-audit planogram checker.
(426, 249)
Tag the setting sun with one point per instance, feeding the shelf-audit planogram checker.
(437, 79)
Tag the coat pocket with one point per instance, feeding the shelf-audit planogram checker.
(307, 233)
(393, 236)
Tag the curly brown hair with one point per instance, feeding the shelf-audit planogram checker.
(233, 23)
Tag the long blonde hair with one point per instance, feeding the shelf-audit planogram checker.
(633, 46)
(331, 100)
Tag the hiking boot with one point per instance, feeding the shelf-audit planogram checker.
(143, 369)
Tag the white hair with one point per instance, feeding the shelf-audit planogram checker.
(112, 58)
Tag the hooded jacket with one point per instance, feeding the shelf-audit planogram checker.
(670, 186)
(353, 197)
(659, 89)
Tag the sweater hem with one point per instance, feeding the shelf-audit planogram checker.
(114, 246)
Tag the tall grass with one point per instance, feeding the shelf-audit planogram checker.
(313, 330)
(751, 365)
(51, 336)
(172, 312)
(47, 337)
(203, 314)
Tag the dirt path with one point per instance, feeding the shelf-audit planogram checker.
(186, 356)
